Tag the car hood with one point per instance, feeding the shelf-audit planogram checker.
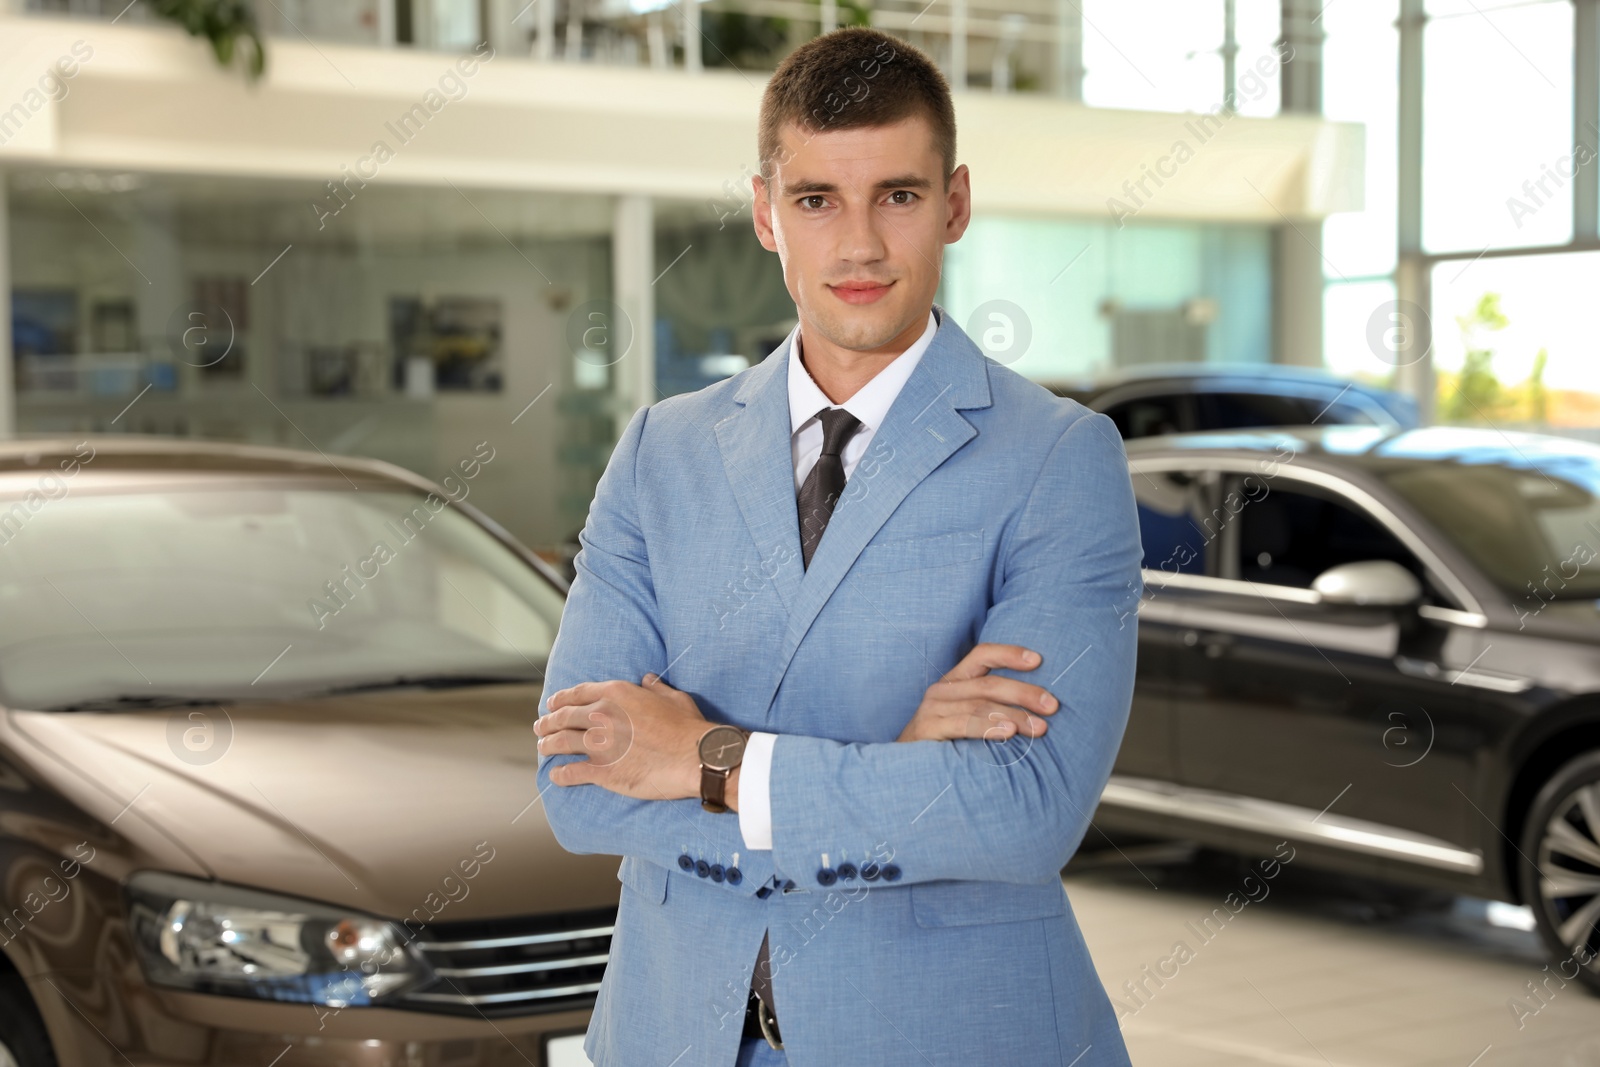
(370, 800)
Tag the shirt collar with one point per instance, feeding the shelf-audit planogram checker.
(871, 402)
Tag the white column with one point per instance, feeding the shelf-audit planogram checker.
(691, 35)
(545, 47)
(1069, 50)
(656, 36)
(386, 24)
(958, 45)
(572, 44)
(504, 36)
(830, 15)
(8, 402)
(633, 277)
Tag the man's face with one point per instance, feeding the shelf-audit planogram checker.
(859, 218)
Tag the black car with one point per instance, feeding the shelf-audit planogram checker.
(1382, 646)
(1162, 398)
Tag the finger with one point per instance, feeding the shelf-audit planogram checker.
(577, 772)
(996, 722)
(999, 689)
(651, 678)
(584, 693)
(990, 654)
(563, 743)
(980, 720)
(575, 717)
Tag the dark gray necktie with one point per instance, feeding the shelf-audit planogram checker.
(815, 502)
(820, 491)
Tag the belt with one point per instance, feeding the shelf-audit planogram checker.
(759, 1023)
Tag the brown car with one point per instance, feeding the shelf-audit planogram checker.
(267, 772)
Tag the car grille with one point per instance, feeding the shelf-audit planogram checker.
(517, 966)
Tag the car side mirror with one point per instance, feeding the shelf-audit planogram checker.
(1369, 583)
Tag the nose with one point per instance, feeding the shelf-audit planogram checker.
(861, 237)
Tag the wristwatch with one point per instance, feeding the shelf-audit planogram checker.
(721, 750)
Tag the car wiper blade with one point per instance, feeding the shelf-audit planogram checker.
(433, 681)
(132, 701)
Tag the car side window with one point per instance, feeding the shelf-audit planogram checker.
(1344, 413)
(1169, 502)
(1243, 411)
(1288, 536)
(1149, 415)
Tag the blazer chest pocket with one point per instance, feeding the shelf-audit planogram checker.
(920, 553)
(962, 903)
(647, 879)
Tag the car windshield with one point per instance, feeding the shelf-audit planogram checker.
(156, 590)
(1528, 516)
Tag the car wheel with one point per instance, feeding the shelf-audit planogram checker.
(1560, 869)
(23, 1041)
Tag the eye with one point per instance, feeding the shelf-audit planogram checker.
(903, 192)
(804, 199)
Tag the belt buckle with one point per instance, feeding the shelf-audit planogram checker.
(769, 1026)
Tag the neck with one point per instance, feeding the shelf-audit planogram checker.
(841, 372)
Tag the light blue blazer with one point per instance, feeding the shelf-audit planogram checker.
(985, 509)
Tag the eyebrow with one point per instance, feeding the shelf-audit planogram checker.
(903, 181)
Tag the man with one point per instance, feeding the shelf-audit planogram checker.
(850, 649)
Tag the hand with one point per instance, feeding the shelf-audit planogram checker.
(641, 740)
(968, 702)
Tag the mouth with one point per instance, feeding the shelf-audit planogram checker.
(860, 292)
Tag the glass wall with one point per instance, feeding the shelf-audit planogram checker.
(402, 323)
(1497, 108)
(1062, 298)
(1166, 55)
(1170, 55)
(1054, 299)
(1360, 83)
(1511, 347)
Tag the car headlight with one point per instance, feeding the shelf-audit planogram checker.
(213, 938)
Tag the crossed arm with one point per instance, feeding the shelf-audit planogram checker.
(1003, 798)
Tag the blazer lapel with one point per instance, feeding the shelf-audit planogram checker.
(755, 444)
(923, 428)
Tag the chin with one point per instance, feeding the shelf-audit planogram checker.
(861, 328)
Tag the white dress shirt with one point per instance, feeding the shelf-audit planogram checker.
(869, 404)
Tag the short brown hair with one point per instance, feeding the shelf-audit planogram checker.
(853, 77)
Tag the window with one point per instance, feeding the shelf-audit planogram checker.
(1152, 415)
(1168, 502)
(1497, 138)
(1243, 411)
(1289, 536)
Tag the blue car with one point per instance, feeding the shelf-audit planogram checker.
(1160, 398)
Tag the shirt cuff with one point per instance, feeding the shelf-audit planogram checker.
(755, 796)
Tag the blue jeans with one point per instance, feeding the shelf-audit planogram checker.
(755, 1052)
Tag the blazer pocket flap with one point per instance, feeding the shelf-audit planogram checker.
(963, 903)
(647, 879)
(920, 552)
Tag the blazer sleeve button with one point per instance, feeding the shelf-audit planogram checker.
(764, 892)
(717, 872)
(891, 873)
(735, 876)
(702, 868)
(684, 862)
(847, 871)
(870, 871)
(827, 876)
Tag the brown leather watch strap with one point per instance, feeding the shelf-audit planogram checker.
(713, 786)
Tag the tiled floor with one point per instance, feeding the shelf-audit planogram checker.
(1317, 971)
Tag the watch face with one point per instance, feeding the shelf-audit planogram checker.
(722, 748)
